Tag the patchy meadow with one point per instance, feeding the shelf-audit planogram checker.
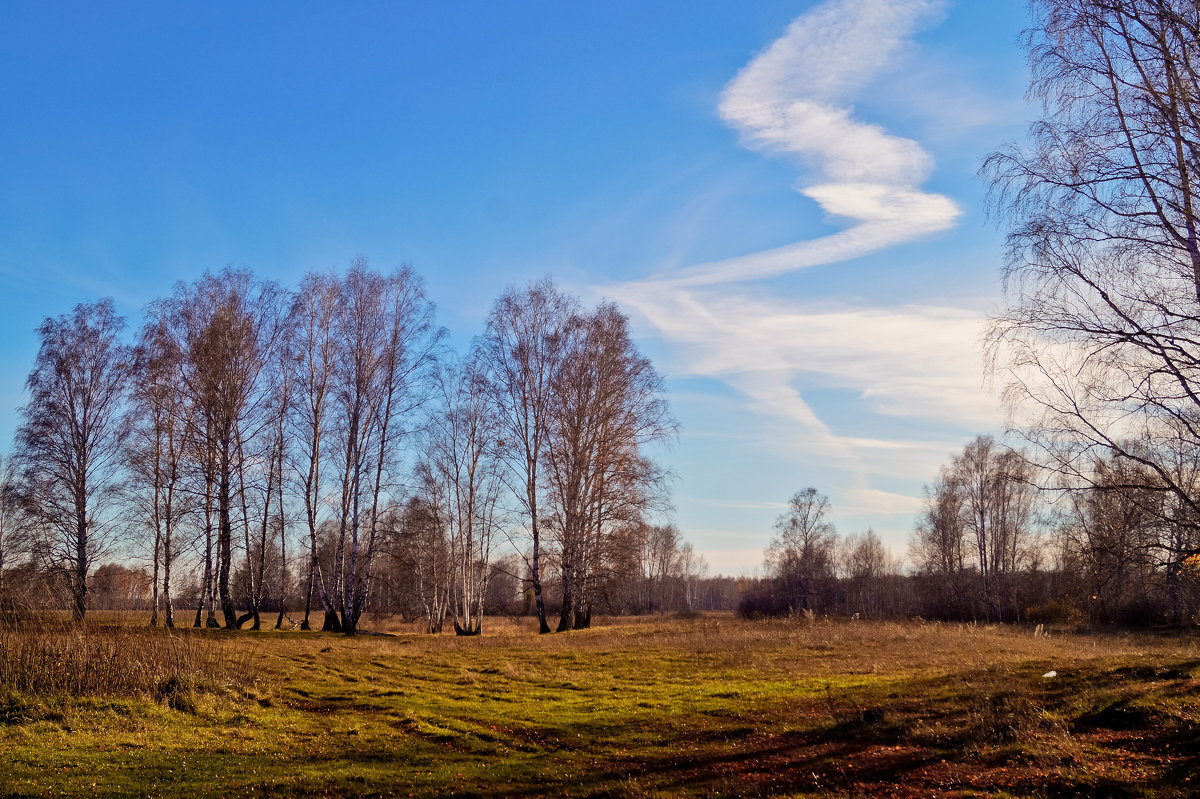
(644, 707)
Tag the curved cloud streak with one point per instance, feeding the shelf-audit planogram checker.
(792, 99)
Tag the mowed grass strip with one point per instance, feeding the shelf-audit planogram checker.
(645, 707)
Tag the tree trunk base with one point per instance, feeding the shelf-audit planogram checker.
(474, 629)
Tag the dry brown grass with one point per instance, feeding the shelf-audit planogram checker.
(53, 659)
(826, 646)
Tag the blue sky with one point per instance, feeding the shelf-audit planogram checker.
(822, 156)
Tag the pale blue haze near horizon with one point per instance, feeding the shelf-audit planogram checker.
(487, 144)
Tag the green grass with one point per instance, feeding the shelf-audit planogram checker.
(647, 707)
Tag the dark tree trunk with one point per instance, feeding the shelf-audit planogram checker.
(565, 616)
(225, 543)
(543, 626)
(154, 578)
(332, 623)
(305, 625)
(81, 543)
(249, 616)
(474, 629)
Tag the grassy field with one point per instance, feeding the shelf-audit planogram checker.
(644, 707)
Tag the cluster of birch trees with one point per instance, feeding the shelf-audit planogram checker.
(245, 417)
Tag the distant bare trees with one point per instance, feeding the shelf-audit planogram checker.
(997, 492)
(1109, 538)
(938, 547)
(977, 531)
(69, 442)
(423, 553)
(866, 563)
(802, 555)
(659, 557)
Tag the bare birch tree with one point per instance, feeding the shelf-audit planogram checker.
(69, 441)
(387, 339)
(802, 556)
(460, 463)
(313, 355)
(938, 547)
(156, 452)
(607, 406)
(522, 349)
(998, 517)
(226, 326)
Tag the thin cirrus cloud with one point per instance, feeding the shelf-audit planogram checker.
(794, 100)
(904, 362)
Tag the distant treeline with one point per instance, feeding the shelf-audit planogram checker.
(995, 545)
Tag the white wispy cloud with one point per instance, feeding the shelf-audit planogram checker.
(873, 502)
(909, 361)
(793, 98)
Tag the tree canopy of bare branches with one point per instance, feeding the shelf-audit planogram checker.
(608, 405)
(1100, 344)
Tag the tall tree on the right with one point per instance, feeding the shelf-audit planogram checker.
(1100, 342)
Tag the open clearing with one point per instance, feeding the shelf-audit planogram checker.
(645, 707)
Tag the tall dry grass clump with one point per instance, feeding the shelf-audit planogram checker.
(78, 660)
